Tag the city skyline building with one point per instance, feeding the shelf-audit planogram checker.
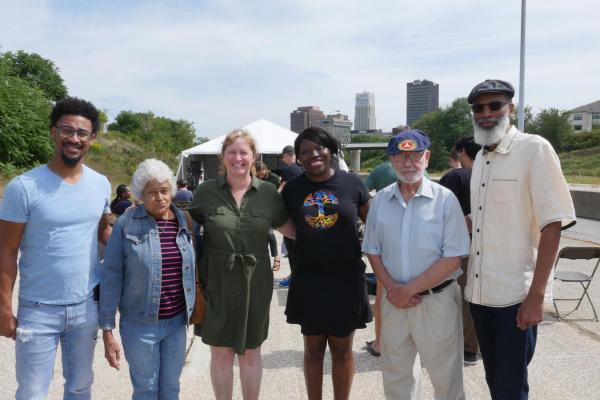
(338, 125)
(364, 112)
(304, 117)
(422, 96)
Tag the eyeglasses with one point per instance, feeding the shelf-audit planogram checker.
(67, 131)
(493, 106)
(412, 156)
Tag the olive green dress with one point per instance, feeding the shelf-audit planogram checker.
(235, 268)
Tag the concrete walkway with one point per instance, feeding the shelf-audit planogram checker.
(565, 365)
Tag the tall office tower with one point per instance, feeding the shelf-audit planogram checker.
(304, 117)
(421, 97)
(339, 126)
(364, 112)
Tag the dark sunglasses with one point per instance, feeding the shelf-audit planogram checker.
(493, 106)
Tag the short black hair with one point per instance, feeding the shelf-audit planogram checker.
(319, 136)
(454, 154)
(75, 106)
(468, 144)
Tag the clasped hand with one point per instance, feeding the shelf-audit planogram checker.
(401, 297)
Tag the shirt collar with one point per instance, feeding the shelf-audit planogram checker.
(140, 212)
(425, 190)
(507, 141)
(222, 181)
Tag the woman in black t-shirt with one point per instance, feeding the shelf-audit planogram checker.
(327, 295)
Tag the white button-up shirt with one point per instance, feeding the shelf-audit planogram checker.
(411, 237)
(516, 190)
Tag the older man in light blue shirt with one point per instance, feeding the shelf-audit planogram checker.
(414, 239)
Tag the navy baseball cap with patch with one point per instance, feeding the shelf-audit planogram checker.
(491, 86)
(406, 141)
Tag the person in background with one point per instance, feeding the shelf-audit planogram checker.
(263, 173)
(458, 181)
(327, 294)
(183, 194)
(453, 159)
(153, 332)
(379, 178)
(121, 202)
(414, 239)
(520, 201)
(290, 171)
(54, 215)
(237, 210)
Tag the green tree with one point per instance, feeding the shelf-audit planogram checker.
(37, 71)
(24, 135)
(200, 139)
(169, 135)
(444, 127)
(528, 118)
(553, 124)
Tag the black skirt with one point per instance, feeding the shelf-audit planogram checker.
(329, 301)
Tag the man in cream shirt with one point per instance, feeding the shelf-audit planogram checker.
(519, 204)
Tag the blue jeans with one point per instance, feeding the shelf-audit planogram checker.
(505, 349)
(39, 329)
(155, 353)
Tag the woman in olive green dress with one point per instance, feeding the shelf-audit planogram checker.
(237, 210)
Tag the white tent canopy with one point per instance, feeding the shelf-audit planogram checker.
(270, 140)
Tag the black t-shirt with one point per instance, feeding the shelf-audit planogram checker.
(290, 172)
(325, 215)
(459, 181)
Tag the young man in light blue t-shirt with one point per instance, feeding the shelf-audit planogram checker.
(54, 214)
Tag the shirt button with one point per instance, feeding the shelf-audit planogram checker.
(483, 184)
(480, 207)
(476, 275)
(487, 162)
(477, 253)
(477, 229)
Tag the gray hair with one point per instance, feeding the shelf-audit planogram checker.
(151, 169)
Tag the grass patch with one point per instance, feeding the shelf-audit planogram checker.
(116, 157)
(581, 166)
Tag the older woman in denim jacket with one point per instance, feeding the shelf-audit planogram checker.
(148, 274)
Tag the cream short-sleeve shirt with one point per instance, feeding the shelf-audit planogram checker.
(516, 190)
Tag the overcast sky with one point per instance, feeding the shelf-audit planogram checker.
(223, 64)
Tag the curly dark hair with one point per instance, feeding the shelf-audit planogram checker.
(75, 106)
(319, 136)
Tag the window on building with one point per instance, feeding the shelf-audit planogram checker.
(577, 117)
(577, 127)
(596, 126)
(595, 115)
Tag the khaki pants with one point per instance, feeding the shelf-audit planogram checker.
(469, 333)
(431, 331)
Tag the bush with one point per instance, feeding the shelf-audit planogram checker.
(582, 140)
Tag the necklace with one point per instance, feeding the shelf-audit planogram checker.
(164, 225)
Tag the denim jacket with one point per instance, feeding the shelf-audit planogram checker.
(131, 275)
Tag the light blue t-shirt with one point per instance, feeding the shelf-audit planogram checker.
(59, 260)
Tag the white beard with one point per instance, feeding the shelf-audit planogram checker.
(411, 179)
(493, 135)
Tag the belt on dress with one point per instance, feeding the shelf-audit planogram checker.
(437, 289)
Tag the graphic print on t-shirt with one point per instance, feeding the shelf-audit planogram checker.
(320, 199)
